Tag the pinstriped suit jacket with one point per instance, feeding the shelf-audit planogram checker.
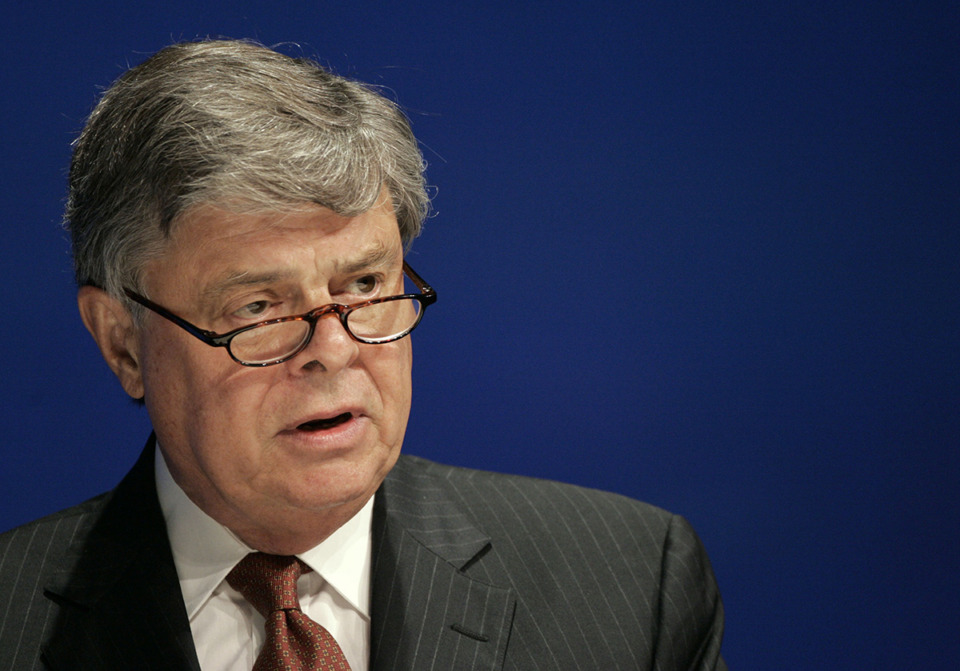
(472, 570)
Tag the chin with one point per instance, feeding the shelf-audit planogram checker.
(330, 490)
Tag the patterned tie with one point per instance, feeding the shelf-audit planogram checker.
(294, 641)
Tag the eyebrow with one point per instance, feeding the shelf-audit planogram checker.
(377, 256)
(238, 279)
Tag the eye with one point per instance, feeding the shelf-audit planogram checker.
(252, 310)
(364, 285)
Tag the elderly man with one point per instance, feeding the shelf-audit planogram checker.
(239, 222)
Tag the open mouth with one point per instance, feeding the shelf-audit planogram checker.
(323, 424)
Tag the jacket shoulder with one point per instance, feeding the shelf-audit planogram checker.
(624, 579)
(39, 539)
(521, 504)
(30, 556)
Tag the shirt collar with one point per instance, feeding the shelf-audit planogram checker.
(205, 551)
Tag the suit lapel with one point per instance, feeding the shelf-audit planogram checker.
(120, 605)
(427, 612)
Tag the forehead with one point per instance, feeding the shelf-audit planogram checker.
(210, 242)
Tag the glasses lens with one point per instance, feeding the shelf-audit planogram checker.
(380, 322)
(385, 321)
(269, 342)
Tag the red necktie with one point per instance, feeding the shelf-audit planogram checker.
(294, 641)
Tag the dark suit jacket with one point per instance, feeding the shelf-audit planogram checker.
(471, 570)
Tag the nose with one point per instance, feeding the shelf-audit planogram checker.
(331, 347)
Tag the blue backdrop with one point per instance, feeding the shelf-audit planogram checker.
(703, 254)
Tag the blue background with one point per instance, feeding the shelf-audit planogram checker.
(703, 254)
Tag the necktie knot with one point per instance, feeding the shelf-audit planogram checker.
(268, 582)
(293, 642)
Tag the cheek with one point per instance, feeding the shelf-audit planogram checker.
(164, 364)
(392, 376)
(194, 394)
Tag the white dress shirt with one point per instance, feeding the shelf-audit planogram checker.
(227, 631)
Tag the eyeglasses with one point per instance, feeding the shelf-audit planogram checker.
(274, 341)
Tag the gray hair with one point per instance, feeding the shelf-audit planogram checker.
(237, 125)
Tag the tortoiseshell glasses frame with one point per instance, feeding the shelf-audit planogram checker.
(389, 320)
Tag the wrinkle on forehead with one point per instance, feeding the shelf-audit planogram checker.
(215, 250)
(375, 256)
(378, 255)
(237, 279)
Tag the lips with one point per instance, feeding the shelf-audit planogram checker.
(324, 424)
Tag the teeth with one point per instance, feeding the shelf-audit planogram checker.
(321, 424)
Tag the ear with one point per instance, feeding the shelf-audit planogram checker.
(112, 327)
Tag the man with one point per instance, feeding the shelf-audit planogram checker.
(239, 222)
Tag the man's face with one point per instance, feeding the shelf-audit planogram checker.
(295, 446)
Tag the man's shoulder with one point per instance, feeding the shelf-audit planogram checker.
(49, 535)
(525, 487)
(521, 505)
(571, 554)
